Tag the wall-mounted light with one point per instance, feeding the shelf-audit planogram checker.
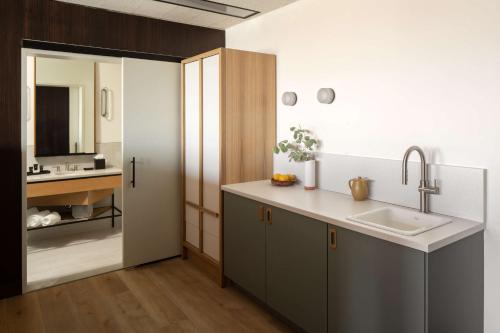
(106, 103)
(326, 95)
(289, 98)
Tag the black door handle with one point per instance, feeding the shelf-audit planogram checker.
(133, 172)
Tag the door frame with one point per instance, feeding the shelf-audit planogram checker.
(25, 52)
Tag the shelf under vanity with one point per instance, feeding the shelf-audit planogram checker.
(75, 188)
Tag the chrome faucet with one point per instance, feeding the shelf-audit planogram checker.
(424, 187)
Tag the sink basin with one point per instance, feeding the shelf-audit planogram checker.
(400, 220)
(65, 173)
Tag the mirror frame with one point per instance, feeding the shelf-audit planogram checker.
(34, 118)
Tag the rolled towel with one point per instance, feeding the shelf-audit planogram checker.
(51, 219)
(32, 211)
(35, 220)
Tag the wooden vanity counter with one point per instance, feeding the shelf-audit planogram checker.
(72, 191)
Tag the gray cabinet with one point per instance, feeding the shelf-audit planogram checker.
(380, 287)
(245, 244)
(373, 285)
(266, 248)
(297, 269)
(324, 278)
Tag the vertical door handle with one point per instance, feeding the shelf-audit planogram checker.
(333, 238)
(260, 213)
(133, 172)
(269, 216)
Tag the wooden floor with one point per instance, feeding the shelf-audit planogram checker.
(169, 296)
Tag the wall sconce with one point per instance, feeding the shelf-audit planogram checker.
(326, 95)
(106, 106)
(289, 98)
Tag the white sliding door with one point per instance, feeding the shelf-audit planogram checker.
(192, 151)
(151, 118)
(211, 157)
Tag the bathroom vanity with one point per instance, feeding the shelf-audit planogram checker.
(80, 188)
(297, 252)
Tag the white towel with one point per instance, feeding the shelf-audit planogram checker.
(35, 220)
(51, 219)
(32, 211)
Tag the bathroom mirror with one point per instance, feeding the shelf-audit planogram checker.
(64, 121)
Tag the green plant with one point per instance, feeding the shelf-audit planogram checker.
(301, 148)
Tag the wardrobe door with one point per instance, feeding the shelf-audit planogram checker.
(192, 152)
(151, 155)
(211, 157)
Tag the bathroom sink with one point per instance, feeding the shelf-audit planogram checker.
(65, 173)
(402, 221)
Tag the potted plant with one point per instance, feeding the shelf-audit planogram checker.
(301, 149)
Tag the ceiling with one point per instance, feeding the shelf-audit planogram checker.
(175, 13)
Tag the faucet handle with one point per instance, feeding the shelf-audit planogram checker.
(430, 189)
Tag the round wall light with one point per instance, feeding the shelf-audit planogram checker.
(289, 98)
(326, 95)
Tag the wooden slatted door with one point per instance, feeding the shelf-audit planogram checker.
(202, 155)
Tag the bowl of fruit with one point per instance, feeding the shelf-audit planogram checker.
(283, 179)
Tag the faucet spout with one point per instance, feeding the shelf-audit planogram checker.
(423, 164)
(423, 187)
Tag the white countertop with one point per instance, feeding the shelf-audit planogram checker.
(55, 176)
(334, 208)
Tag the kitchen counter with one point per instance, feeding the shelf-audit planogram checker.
(334, 208)
(64, 175)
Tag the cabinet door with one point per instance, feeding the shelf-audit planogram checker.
(245, 244)
(297, 268)
(192, 151)
(373, 285)
(211, 156)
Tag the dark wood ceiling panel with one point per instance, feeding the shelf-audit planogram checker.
(72, 24)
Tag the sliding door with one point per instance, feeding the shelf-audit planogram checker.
(151, 155)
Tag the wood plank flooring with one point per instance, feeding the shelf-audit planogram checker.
(169, 296)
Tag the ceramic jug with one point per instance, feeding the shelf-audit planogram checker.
(359, 188)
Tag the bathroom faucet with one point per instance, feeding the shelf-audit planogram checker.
(424, 187)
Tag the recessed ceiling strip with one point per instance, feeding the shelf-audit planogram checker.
(214, 7)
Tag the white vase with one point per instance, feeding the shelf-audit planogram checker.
(310, 175)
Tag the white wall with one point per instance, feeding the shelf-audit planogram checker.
(110, 76)
(405, 72)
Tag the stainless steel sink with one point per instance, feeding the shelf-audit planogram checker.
(402, 221)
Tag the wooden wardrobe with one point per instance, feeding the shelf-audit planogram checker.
(228, 132)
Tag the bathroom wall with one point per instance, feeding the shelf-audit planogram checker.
(405, 73)
(109, 76)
